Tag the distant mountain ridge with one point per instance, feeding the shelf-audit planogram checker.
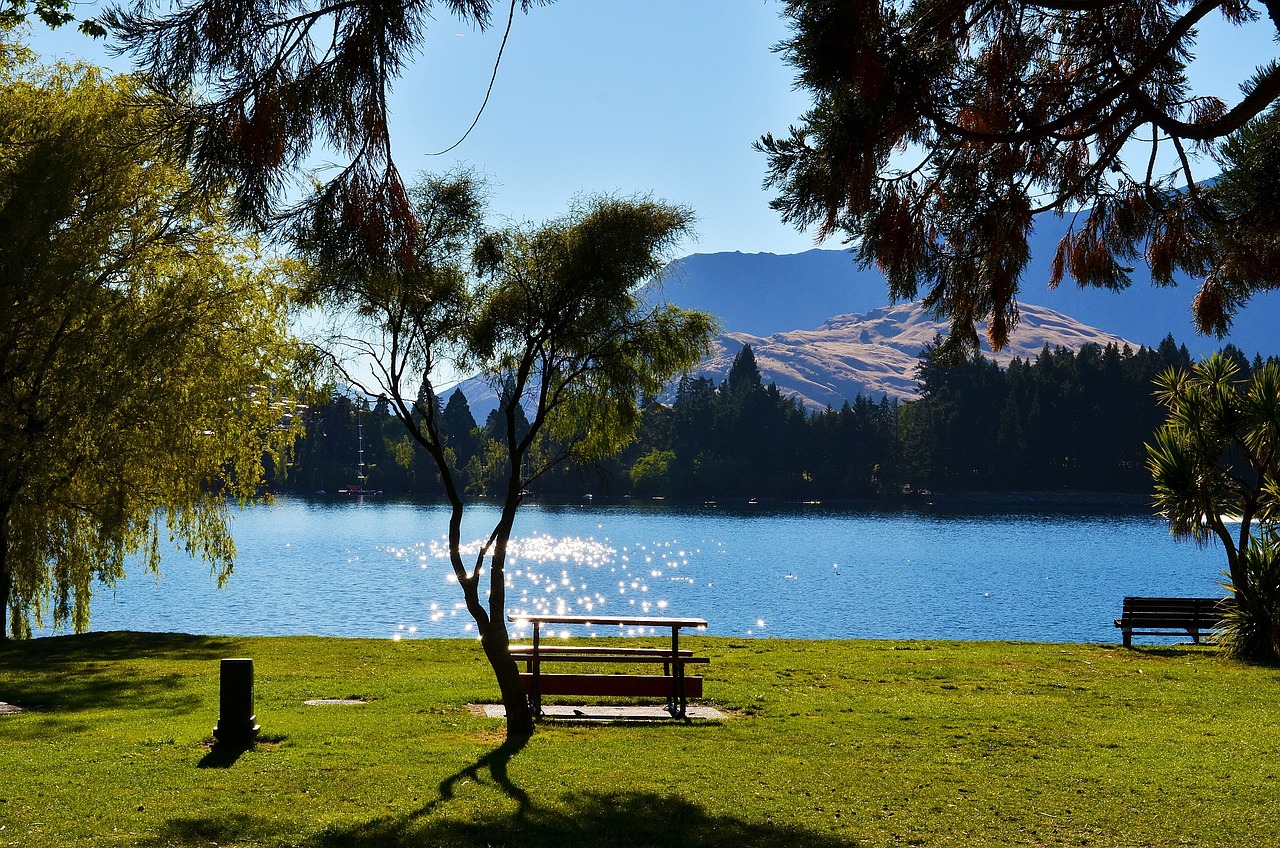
(766, 293)
(876, 353)
(873, 354)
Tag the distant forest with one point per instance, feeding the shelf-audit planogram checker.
(1067, 421)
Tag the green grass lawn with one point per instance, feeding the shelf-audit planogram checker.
(828, 744)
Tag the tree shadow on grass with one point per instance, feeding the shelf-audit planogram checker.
(495, 762)
(597, 819)
(73, 690)
(83, 671)
(600, 819)
(110, 646)
(583, 820)
(230, 828)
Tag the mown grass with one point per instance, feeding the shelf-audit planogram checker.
(829, 745)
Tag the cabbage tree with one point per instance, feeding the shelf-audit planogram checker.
(1216, 467)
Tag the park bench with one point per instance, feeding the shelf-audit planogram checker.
(1170, 617)
(673, 683)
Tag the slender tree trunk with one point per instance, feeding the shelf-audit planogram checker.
(507, 673)
(497, 642)
(6, 587)
(494, 638)
(6, 575)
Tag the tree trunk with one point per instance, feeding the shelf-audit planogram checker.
(6, 587)
(6, 575)
(507, 672)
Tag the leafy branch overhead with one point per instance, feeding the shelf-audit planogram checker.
(53, 13)
(941, 128)
(275, 80)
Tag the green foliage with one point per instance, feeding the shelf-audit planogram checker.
(1253, 624)
(827, 745)
(651, 473)
(142, 348)
(459, 429)
(1068, 420)
(1074, 421)
(1215, 461)
(53, 13)
(563, 327)
(1244, 243)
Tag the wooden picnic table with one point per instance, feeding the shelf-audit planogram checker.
(674, 684)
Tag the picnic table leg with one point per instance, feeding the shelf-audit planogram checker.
(535, 697)
(677, 703)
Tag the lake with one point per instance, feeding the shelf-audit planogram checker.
(378, 569)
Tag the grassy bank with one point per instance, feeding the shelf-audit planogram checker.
(830, 744)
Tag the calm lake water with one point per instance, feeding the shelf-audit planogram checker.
(378, 569)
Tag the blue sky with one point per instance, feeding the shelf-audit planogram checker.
(660, 97)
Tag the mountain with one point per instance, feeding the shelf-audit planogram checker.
(782, 306)
(875, 353)
(762, 294)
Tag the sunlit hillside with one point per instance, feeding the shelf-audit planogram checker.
(876, 353)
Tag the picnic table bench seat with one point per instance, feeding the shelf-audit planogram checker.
(1141, 616)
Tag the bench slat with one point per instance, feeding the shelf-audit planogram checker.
(570, 650)
(609, 658)
(629, 685)
(618, 620)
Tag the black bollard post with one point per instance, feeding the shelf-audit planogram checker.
(237, 725)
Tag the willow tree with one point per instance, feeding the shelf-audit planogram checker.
(138, 339)
(549, 314)
(1216, 466)
(941, 128)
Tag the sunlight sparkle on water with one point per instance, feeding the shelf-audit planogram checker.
(547, 575)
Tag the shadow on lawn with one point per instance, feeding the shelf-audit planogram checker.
(495, 762)
(601, 819)
(222, 756)
(86, 671)
(1203, 651)
(598, 819)
(111, 646)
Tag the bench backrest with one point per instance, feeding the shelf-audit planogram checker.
(1208, 610)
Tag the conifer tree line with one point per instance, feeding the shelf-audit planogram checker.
(1063, 421)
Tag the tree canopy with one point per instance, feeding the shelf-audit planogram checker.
(140, 344)
(941, 128)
